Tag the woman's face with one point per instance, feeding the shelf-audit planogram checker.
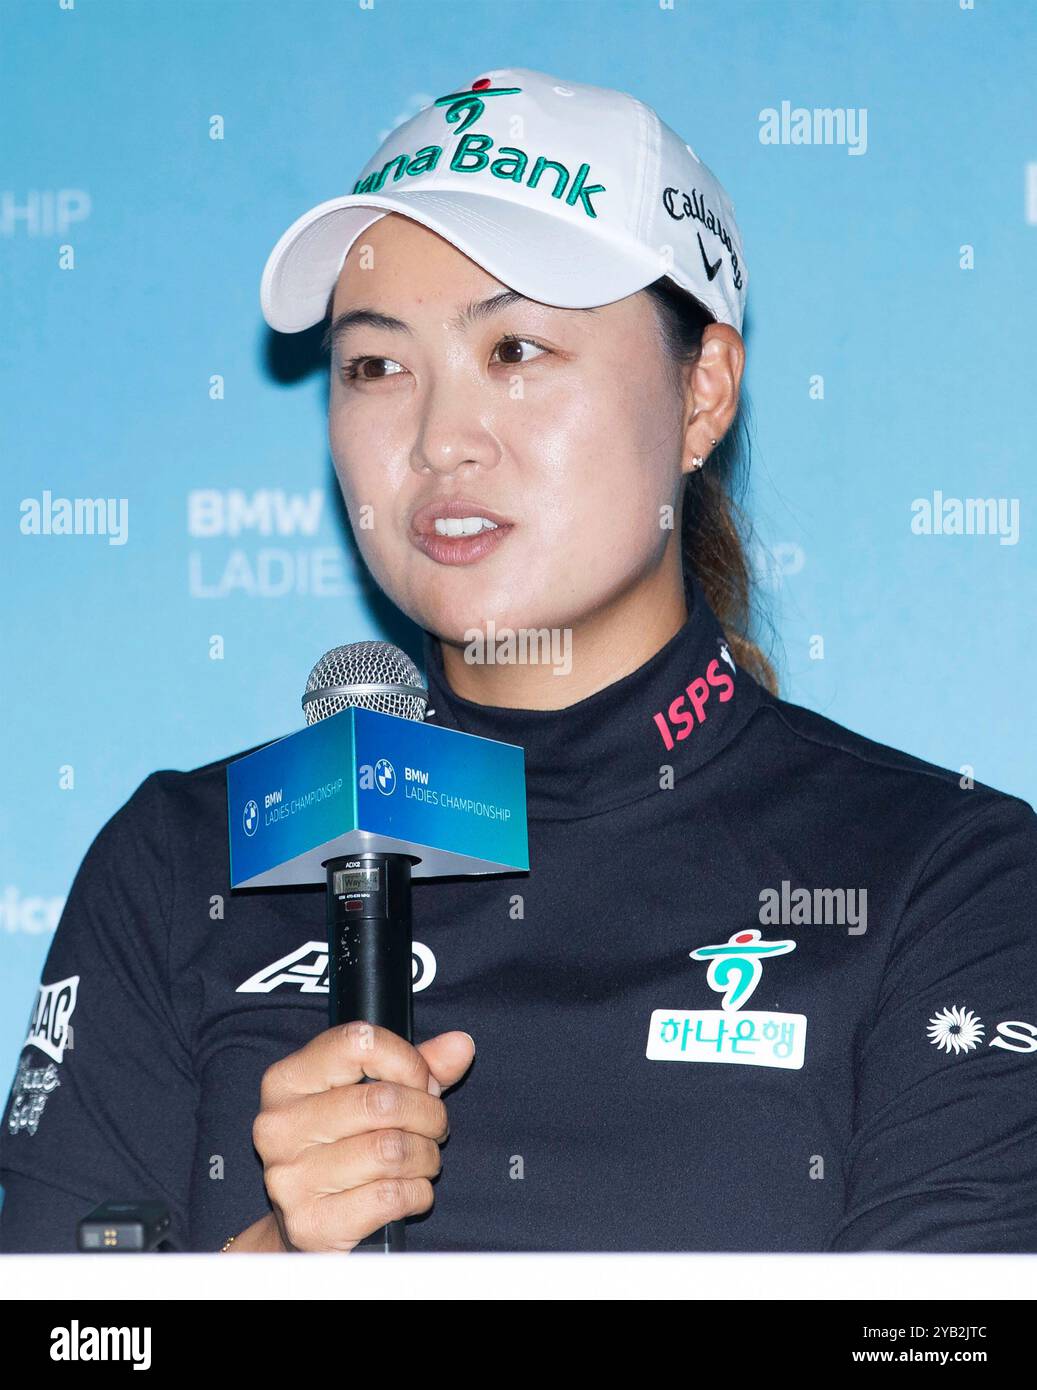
(564, 423)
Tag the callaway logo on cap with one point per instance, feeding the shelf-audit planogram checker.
(572, 195)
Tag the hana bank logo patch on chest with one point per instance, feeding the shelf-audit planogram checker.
(760, 1038)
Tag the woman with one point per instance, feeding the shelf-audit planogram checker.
(768, 984)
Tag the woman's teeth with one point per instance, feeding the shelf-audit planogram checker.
(463, 525)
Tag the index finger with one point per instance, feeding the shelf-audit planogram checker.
(343, 1056)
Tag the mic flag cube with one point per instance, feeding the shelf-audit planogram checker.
(360, 780)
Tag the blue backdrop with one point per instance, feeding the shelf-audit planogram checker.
(156, 149)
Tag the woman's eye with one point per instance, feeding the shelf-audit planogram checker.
(512, 343)
(356, 368)
(353, 370)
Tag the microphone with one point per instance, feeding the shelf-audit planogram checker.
(370, 938)
(376, 675)
(363, 799)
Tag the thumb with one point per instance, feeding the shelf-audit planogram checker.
(448, 1056)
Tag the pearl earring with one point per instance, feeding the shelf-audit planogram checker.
(698, 460)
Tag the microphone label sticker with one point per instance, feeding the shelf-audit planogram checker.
(760, 1038)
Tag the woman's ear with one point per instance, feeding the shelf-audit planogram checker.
(712, 386)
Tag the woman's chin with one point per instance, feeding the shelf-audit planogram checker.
(452, 609)
(456, 620)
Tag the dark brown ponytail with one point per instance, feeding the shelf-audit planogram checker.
(714, 529)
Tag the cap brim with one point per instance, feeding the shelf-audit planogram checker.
(543, 256)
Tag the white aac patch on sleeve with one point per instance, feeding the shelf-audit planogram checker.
(50, 1026)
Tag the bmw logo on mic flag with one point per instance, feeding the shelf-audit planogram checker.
(365, 781)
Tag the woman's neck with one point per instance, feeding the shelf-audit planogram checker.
(575, 662)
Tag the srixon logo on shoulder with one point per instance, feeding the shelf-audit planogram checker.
(692, 706)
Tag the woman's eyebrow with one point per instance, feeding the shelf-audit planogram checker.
(471, 313)
(506, 299)
(356, 318)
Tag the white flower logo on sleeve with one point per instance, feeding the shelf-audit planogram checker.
(955, 1030)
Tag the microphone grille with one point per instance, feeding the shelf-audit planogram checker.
(373, 675)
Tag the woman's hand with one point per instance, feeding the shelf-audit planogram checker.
(341, 1156)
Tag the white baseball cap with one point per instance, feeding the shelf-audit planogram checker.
(572, 195)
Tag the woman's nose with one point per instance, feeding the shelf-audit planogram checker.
(453, 430)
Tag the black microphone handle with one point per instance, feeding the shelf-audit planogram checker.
(370, 949)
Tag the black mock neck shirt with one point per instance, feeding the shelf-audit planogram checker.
(768, 985)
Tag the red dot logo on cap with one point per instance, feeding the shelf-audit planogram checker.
(744, 936)
(462, 108)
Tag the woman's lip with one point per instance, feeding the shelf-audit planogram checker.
(424, 519)
(460, 550)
